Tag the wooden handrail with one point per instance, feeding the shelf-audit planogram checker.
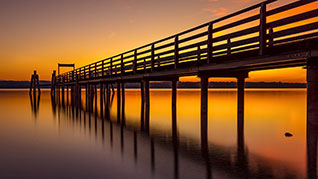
(180, 48)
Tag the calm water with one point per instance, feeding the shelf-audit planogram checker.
(55, 141)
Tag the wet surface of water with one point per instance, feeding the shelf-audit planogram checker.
(46, 139)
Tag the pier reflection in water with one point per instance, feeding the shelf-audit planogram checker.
(88, 144)
(217, 160)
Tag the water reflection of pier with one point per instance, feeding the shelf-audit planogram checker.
(35, 103)
(35, 93)
(163, 154)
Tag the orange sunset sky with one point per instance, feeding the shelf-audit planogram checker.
(39, 34)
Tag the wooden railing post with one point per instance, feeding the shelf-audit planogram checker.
(152, 57)
(135, 61)
(228, 46)
(199, 53)
(262, 31)
(102, 68)
(144, 63)
(77, 77)
(85, 73)
(122, 70)
(158, 60)
(176, 51)
(95, 70)
(73, 77)
(210, 43)
(111, 66)
(75, 74)
(89, 72)
(271, 39)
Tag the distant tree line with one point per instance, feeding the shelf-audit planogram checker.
(20, 84)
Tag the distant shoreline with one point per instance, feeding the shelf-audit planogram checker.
(167, 85)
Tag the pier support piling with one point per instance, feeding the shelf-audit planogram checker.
(95, 98)
(58, 94)
(76, 95)
(174, 109)
(204, 110)
(80, 96)
(35, 83)
(204, 123)
(38, 83)
(63, 92)
(107, 101)
(86, 97)
(240, 100)
(175, 129)
(67, 96)
(147, 106)
(312, 91)
(123, 103)
(142, 111)
(311, 151)
(102, 100)
(91, 97)
(53, 83)
(118, 102)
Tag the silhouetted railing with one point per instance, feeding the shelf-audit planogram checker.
(203, 44)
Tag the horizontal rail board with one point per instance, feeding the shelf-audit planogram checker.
(292, 39)
(237, 43)
(164, 46)
(193, 45)
(165, 52)
(295, 18)
(295, 30)
(237, 23)
(289, 6)
(193, 37)
(237, 34)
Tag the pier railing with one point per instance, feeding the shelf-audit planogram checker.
(252, 29)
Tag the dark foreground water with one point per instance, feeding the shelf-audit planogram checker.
(55, 141)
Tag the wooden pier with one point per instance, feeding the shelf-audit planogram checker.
(230, 47)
